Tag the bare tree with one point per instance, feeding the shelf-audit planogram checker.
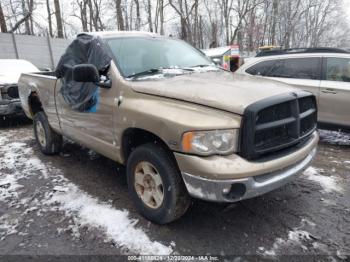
(26, 21)
(184, 11)
(274, 22)
(159, 17)
(202, 23)
(148, 9)
(3, 26)
(119, 13)
(26, 15)
(83, 14)
(213, 23)
(58, 16)
(226, 7)
(126, 15)
(138, 15)
(242, 9)
(49, 20)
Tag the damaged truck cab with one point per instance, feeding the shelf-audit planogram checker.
(182, 126)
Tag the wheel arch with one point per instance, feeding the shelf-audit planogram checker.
(134, 137)
(34, 103)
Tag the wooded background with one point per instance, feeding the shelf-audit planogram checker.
(203, 23)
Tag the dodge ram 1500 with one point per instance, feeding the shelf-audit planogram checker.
(182, 126)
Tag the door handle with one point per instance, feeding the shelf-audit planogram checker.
(329, 91)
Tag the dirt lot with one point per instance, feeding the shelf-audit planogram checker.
(77, 203)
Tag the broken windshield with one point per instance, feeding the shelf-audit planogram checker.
(136, 55)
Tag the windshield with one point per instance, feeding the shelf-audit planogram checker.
(135, 55)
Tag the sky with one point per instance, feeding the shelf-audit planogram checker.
(73, 24)
(347, 4)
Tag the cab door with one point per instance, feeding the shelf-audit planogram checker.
(334, 105)
(94, 129)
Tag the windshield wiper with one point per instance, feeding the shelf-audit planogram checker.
(146, 72)
(153, 71)
(200, 66)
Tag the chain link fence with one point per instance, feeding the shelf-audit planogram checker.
(43, 52)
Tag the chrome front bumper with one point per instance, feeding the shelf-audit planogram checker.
(243, 188)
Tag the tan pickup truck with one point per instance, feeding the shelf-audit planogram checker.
(182, 126)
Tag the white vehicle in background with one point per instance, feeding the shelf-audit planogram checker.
(323, 71)
(227, 57)
(10, 71)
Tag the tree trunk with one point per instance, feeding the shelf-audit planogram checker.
(91, 15)
(83, 15)
(126, 20)
(183, 29)
(58, 19)
(201, 40)
(262, 43)
(227, 28)
(26, 22)
(161, 14)
(138, 15)
(25, 18)
(31, 22)
(49, 20)
(119, 12)
(196, 29)
(97, 18)
(274, 22)
(3, 26)
(236, 31)
(149, 7)
(226, 10)
(214, 35)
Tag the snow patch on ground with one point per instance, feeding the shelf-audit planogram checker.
(8, 187)
(17, 162)
(334, 137)
(298, 241)
(328, 183)
(117, 225)
(8, 226)
(295, 238)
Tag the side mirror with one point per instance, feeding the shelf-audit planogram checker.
(85, 73)
(217, 61)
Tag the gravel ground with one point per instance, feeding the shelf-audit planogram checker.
(77, 203)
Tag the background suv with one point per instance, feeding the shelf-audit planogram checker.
(324, 72)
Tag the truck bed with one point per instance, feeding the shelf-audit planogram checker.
(42, 84)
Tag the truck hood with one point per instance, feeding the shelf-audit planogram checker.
(218, 89)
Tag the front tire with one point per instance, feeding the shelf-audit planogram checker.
(155, 184)
(49, 141)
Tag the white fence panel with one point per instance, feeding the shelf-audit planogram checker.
(7, 49)
(58, 47)
(43, 52)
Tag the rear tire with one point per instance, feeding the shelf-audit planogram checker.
(49, 142)
(155, 184)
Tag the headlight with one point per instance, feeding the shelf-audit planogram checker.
(221, 142)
